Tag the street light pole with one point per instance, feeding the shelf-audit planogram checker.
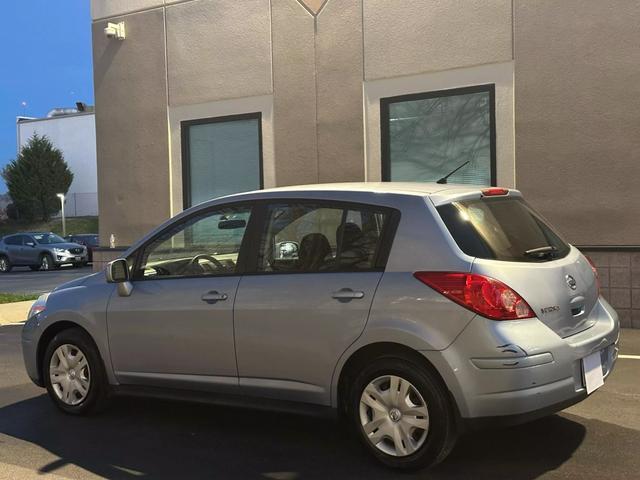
(64, 223)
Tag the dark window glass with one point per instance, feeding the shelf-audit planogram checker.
(15, 240)
(221, 156)
(307, 237)
(205, 245)
(427, 136)
(502, 229)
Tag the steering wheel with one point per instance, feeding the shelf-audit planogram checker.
(203, 256)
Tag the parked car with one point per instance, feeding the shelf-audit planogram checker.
(414, 310)
(89, 240)
(39, 251)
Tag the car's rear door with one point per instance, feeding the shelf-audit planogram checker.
(176, 327)
(317, 268)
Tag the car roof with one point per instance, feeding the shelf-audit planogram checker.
(439, 193)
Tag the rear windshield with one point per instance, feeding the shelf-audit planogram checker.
(502, 228)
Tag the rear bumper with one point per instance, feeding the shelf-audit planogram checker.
(515, 371)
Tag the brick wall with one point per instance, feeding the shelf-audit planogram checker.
(620, 281)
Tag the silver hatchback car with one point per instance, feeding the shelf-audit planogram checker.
(415, 311)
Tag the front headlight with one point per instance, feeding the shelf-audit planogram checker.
(60, 250)
(38, 306)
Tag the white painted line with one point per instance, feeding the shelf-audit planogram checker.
(633, 357)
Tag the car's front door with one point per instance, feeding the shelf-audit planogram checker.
(29, 250)
(316, 273)
(176, 327)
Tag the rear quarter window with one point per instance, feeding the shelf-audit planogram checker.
(502, 228)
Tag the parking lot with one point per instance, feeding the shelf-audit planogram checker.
(23, 280)
(599, 438)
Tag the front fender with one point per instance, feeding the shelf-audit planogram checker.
(85, 306)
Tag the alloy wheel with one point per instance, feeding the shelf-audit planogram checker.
(44, 263)
(3, 264)
(394, 416)
(70, 374)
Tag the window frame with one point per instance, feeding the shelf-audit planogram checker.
(186, 154)
(259, 229)
(136, 256)
(385, 143)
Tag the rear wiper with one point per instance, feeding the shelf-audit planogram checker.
(541, 251)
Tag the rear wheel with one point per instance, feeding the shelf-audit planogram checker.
(403, 414)
(5, 264)
(74, 374)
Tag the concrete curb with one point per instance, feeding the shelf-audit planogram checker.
(14, 312)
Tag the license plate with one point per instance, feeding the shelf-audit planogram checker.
(592, 368)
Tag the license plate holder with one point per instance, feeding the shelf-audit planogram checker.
(592, 372)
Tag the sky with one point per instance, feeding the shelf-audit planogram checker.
(45, 61)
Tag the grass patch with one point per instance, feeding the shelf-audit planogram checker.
(74, 225)
(16, 297)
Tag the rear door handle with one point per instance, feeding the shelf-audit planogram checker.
(347, 294)
(213, 297)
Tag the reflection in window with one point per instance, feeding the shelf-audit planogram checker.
(207, 244)
(303, 237)
(222, 156)
(426, 136)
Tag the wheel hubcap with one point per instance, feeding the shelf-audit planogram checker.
(3, 264)
(394, 415)
(45, 263)
(70, 374)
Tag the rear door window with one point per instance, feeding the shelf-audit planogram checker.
(310, 237)
(504, 228)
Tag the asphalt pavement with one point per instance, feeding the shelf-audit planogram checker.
(134, 438)
(23, 280)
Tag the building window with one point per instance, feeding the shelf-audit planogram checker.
(427, 135)
(221, 156)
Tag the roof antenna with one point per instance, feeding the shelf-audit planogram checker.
(443, 180)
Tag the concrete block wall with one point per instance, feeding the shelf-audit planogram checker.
(620, 282)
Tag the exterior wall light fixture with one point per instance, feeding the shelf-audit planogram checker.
(115, 30)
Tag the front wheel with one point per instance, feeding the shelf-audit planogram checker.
(403, 414)
(46, 262)
(74, 374)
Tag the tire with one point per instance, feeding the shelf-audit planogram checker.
(89, 375)
(427, 439)
(46, 262)
(5, 264)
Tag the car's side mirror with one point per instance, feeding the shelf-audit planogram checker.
(117, 272)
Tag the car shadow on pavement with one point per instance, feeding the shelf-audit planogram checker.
(161, 439)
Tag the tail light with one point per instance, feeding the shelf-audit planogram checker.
(483, 295)
(595, 272)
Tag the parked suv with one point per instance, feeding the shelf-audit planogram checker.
(89, 240)
(39, 251)
(414, 310)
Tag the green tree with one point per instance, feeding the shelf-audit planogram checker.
(35, 177)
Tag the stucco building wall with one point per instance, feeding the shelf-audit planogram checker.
(566, 82)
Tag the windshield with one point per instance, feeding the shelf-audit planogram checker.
(48, 238)
(504, 228)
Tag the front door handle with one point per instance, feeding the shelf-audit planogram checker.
(347, 294)
(213, 297)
